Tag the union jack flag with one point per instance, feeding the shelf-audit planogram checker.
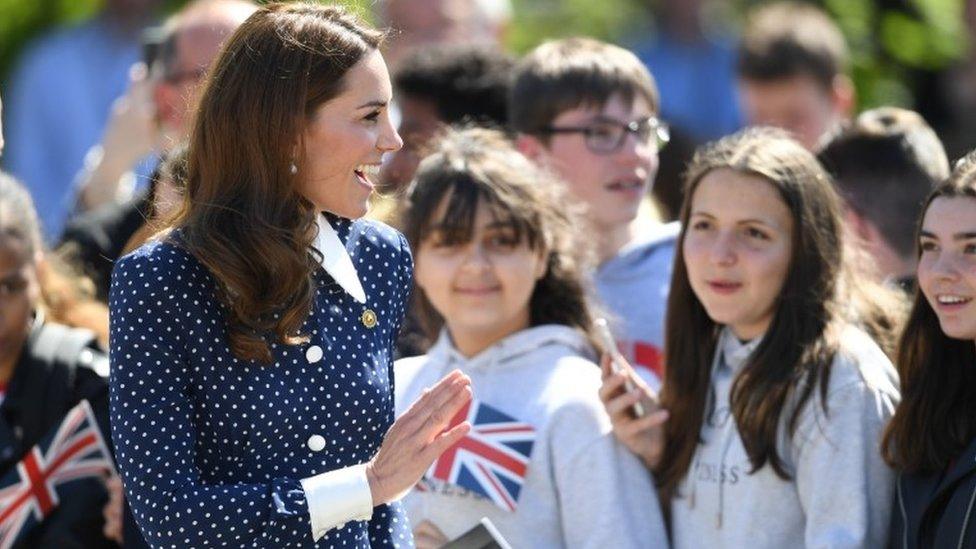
(492, 459)
(30, 491)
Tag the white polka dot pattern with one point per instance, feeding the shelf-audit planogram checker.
(211, 449)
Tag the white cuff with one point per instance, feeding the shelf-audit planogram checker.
(336, 497)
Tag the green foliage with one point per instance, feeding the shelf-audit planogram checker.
(21, 21)
(887, 45)
(540, 20)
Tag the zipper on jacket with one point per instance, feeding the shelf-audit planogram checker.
(904, 516)
(965, 522)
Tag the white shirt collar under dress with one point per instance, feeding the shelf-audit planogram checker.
(336, 260)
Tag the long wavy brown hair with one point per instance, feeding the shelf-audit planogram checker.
(936, 418)
(821, 293)
(481, 166)
(242, 216)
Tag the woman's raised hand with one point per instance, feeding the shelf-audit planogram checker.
(644, 436)
(418, 437)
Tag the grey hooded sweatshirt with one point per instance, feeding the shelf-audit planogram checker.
(840, 491)
(582, 487)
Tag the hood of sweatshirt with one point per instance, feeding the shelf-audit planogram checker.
(631, 261)
(733, 353)
(506, 352)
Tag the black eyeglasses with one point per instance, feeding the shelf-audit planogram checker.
(605, 135)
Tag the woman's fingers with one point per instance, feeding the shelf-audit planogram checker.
(606, 368)
(646, 423)
(622, 405)
(612, 385)
(448, 403)
(421, 413)
(445, 440)
(449, 409)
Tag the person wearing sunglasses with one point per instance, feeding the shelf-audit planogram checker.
(589, 111)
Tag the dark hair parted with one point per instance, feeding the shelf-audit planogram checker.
(788, 39)
(462, 83)
(574, 72)
(480, 166)
(819, 296)
(243, 217)
(936, 418)
(885, 164)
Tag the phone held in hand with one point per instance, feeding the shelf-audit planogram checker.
(603, 328)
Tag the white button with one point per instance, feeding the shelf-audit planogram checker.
(316, 443)
(313, 354)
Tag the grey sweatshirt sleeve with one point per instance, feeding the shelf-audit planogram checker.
(844, 486)
(606, 496)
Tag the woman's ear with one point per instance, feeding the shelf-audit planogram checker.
(41, 264)
(542, 266)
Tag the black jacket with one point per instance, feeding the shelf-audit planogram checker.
(939, 510)
(44, 386)
(100, 235)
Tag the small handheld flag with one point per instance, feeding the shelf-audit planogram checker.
(30, 491)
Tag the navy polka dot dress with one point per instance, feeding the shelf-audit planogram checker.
(212, 449)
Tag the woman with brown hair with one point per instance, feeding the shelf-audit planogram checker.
(775, 388)
(251, 387)
(931, 441)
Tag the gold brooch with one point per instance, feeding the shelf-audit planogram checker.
(368, 319)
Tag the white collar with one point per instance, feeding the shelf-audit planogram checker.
(336, 260)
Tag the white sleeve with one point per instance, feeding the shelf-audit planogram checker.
(337, 497)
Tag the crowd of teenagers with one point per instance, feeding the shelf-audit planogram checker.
(364, 307)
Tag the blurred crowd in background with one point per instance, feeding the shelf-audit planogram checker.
(97, 99)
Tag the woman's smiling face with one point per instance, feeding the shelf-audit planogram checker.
(481, 287)
(345, 139)
(947, 265)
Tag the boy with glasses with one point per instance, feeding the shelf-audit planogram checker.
(588, 110)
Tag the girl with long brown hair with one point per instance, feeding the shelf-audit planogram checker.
(251, 385)
(501, 285)
(931, 441)
(775, 388)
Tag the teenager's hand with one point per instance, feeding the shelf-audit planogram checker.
(428, 536)
(643, 436)
(418, 437)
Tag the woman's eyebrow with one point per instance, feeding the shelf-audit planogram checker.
(965, 235)
(373, 103)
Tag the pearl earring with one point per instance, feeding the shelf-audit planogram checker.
(293, 168)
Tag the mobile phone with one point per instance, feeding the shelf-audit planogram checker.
(603, 328)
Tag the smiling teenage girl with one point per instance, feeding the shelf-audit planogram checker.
(776, 393)
(499, 262)
(932, 439)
